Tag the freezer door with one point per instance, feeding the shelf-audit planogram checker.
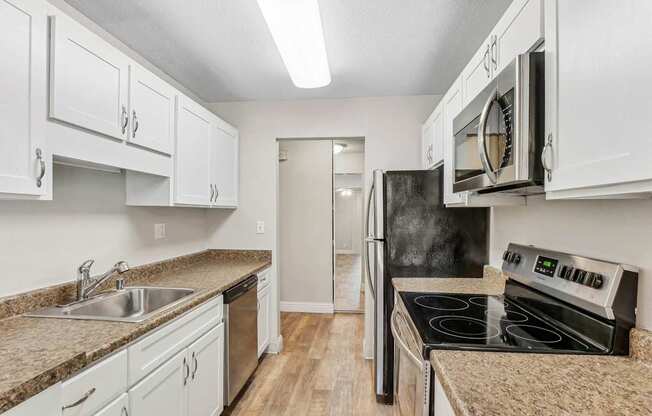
(378, 205)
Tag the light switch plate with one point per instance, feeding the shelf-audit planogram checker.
(260, 227)
(159, 231)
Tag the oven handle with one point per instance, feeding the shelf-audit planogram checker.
(482, 145)
(400, 341)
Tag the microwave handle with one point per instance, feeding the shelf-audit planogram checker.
(482, 145)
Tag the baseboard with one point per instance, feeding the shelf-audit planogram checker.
(307, 307)
(275, 346)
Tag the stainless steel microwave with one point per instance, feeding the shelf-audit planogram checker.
(499, 135)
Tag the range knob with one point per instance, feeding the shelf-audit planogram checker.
(562, 272)
(506, 255)
(597, 281)
(516, 258)
(568, 273)
(581, 276)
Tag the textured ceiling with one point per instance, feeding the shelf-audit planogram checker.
(223, 51)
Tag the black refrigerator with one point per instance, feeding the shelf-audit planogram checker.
(411, 233)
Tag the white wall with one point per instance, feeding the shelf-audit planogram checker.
(348, 163)
(42, 243)
(348, 221)
(620, 231)
(391, 127)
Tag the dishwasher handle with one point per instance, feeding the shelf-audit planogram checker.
(251, 283)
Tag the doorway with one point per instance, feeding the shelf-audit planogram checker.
(348, 220)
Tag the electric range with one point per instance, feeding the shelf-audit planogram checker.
(553, 303)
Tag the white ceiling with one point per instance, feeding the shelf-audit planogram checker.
(223, 51)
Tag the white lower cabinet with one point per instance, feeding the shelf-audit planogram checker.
(264, 313)
(189, 384)
(119, 407)
(442, 406)
(206, 382)
(46, 403)
(162, 393)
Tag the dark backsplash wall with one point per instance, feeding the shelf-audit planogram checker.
(424, 238)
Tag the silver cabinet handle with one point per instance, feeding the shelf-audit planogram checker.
(134, 119)
(482, 146)
(124, 411)
(494, 49)
(186, 368)
(212, 193)
(544, 157)
(485, 61)
(125, 119)
(85, 397)
(39, 159)
(195, 365)
(217, 193)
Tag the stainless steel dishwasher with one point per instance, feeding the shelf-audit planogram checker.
(241, 319)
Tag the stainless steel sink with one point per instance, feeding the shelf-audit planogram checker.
(132, 304)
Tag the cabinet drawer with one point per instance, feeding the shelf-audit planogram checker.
(264, 279)
(108, 379)
(119, 407)
(153, 350)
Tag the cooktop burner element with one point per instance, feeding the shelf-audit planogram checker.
(464, 327)
(441, 303)
(533, 333)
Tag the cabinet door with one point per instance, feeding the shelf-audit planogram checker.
(163, 392)
(426, 145)
(119, 407)
(477, 73)
(518, 31)
(452, 106)
(23, 83)
(192, 154)
(264, 313)
(442, 405)
(597, 105)
(437, 136)
(46, 403)
(205, 386)
(89, 80)
(152, 111)
(225, 166)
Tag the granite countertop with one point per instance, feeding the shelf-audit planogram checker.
(36, 353)
(493, 283)
(495, 383)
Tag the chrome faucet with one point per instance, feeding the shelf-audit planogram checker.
(86, 284)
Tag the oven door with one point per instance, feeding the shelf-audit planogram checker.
(411, 372)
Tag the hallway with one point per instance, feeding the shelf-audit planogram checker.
(320, 372)
(348, 279)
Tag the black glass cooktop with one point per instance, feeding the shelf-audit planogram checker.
(478, 322)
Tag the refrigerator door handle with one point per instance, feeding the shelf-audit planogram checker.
(369, 200)
(372, 289)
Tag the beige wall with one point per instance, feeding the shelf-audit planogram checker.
(613, 230)
(42, 243)
(391, 127)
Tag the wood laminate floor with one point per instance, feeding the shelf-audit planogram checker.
(348, 281)
(321, 371)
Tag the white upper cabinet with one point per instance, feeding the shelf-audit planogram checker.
(151, 103)
(89, 80)
(431, 139)
(192, 163)
(477, 73)
(598, 101)
(24, 157)
(452, 102)
(224, 165)
(519, 30)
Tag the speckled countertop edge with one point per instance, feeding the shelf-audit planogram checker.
(166, 273)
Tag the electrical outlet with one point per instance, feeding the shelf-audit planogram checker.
(260, 227)
(159, 231)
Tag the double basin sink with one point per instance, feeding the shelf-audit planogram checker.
(131, 304)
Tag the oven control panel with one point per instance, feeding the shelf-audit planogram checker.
(583, 281)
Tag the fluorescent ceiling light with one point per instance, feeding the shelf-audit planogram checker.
(299, 37)
(338, 147)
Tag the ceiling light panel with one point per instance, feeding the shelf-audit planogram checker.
(297, 31)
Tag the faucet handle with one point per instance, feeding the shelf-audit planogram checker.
(86, 266)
